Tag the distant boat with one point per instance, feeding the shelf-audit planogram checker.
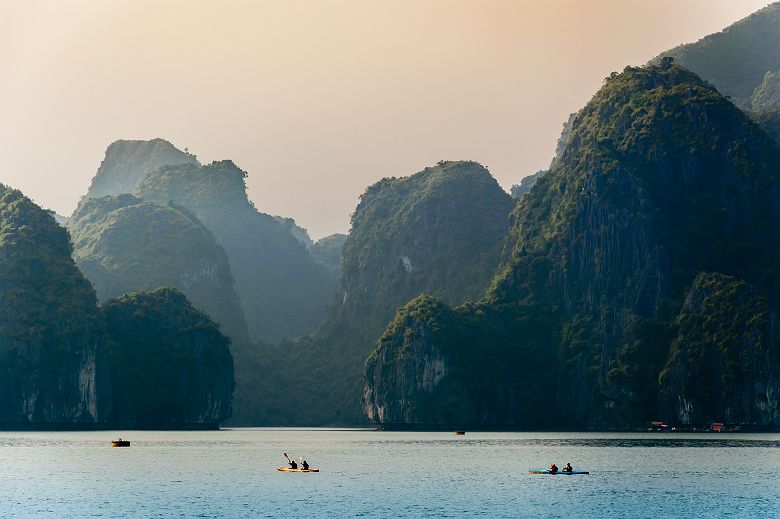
(120, 443)
(459, 433)
(288, 469)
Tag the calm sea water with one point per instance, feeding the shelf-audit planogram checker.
(231, 473)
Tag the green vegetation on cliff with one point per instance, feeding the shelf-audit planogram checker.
(438, 232)
(128, 162)
(149, 360)
(766, 96)
(51, 334)
(736, 59)
(723, 356)
(171, 367)
(327, 252)
(662, 178)
(283, 291)
(770, 122)
(124, 244)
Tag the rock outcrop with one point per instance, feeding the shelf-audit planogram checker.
(171, 366)
(436, 232)
(723, 364)
(327, 252)
(148, 360)
(766, 96)
(769, 122)
(127, 163)
(737, 58)
(409, 375)
(124, 244)
(283, 291)
(52, 370)
(525, 184)
(662, 178)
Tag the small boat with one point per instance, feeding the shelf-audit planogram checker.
(288, 469)
(560, 472)
(120, 443)
(459, 433)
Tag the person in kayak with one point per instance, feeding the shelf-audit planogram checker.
(553, 468)
(568, 468)
(293, 465)
(304, 465)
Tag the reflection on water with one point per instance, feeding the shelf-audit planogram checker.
(231, 473)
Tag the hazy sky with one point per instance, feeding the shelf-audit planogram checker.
(315, 99)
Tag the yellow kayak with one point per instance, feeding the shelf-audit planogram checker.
(287, 469)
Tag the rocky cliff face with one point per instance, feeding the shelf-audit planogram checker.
(124, 244)
(769, 122)
(327, 252)
(766, 96)
(128, 162)
(662, 178)
(655, 148)
(161, 363)
(528, 182)
(171, 366)
(525, 184)
(437, 232)
(736, 59)
(723, 364)
(51, 335)
(283, 291)
(415, 367)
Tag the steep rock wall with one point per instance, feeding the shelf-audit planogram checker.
(723, 364)
(51, 335)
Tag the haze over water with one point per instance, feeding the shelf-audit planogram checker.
(231, 473)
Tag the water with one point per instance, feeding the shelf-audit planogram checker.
(231, 473)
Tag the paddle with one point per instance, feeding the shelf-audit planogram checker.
(288, 458)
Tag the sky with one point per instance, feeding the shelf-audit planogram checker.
(315, 99)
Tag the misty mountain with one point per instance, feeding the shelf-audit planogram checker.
(283, 291)
(124, 244)
(737, 59)
(67, 363)
(127, 162)
(327, 252)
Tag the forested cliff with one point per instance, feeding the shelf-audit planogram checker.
(662, 179)
(124, 244)
(437, 232)
(66, 363)
(283, 291)
(51, 332)
(171, 366)
(737, 59)
(635, 278)
(127, 162)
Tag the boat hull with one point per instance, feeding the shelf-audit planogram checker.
(560, 472)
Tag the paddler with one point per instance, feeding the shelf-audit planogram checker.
(305, 465)
(293, 465)
(553, 468)
(568, 468)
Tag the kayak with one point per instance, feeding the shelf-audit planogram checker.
(572, 473)
(288, 469)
